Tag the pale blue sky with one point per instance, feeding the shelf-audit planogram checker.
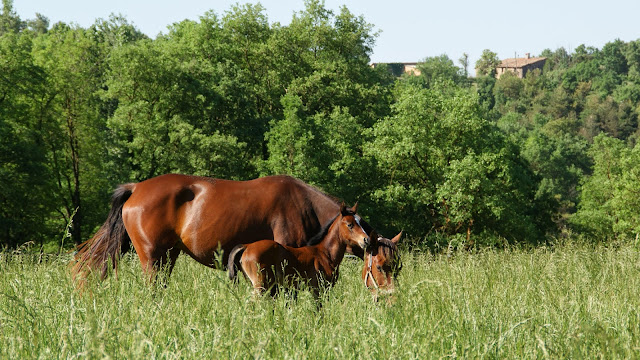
(410, 30)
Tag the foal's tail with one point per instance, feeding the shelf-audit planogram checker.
(107, 243)
(233, 264)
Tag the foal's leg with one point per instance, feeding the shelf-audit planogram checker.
(256, 276)
(316, 285)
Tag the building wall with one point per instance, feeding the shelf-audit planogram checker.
(531, 67)
(520, 72)
(411, 69)
(500, 71)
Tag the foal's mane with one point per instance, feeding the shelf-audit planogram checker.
(317, 238)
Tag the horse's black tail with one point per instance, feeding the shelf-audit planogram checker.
(107, 243)
(233, 264)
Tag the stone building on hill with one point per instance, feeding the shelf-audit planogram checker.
(520, 66)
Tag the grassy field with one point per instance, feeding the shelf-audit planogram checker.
(568, 302)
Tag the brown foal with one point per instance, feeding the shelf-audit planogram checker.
(271, 265)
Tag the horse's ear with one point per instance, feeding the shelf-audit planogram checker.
(396, 239)
(343, 209)
(373, 241)
(355, 208)
(373, 236)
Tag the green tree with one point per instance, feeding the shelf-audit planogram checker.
(9, 20)
(606, 115)
(440, 68)
(332, 95)
(609, 203)
(446, 169)
(486, 65)
(560, 160)
(235, 68)
(484, 86)
(629, 90)
(464, 62)
(613, 57)
(73, 130)
(25, 200)
(632, 55)
(332, 55)
(166, 115)
(558, 59)
(508, 93)
(582, 53)
(324, 150)
(39, 25)
(294, 144)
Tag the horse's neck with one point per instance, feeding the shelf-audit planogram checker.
(324, 206)
(332, 248)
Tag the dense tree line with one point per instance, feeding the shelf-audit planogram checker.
(447, 158)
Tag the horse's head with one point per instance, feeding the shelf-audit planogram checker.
(350, 229)
(381, 264)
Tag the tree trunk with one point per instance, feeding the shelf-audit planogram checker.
(76, 229)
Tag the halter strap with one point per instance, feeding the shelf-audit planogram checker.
(370, 273)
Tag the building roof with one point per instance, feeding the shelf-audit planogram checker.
(520, 62)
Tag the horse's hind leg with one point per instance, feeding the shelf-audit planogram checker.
(274, 290)
(154, 257)
(166, 264)
(154, 238)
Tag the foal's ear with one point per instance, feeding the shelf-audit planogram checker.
(343, 209)
(355, 208)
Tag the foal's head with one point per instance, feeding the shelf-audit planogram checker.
(351, 232)
(381, 263)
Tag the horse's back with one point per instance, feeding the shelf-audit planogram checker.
(266, 253)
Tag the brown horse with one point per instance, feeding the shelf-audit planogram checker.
(270, 265)
(381, 264)
(169, 214)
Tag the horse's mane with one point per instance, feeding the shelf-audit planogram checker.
(387, 243)
(314, 189)
(388, 248)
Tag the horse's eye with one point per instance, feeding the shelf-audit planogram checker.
(350, 226)
(379, 268)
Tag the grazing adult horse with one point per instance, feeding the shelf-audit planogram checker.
(169, 214)
(270, 265)
(381, 264)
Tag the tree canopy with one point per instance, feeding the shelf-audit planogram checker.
(448, 158)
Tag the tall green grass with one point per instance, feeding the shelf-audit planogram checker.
(569, 302)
